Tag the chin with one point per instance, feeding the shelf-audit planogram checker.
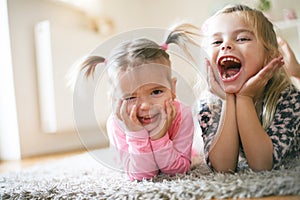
(232, 89)
(154, 124)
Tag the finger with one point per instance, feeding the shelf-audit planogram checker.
(166, 114)
(212, 77)
(170, 111)
(266, 73)
(207, 64)
(173, 110)
(123, 111)
(133, 114)
(117, 108)
(272, 66)
(208, 70)
(276, 62)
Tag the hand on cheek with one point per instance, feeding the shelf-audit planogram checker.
(129, 117)
(168, 115)
(214, 85)
(254, 86)
(117, 108)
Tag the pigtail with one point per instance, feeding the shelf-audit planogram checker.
(90, 64)
(81, 64)
(183, 35)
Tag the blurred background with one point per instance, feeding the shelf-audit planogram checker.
(41, 39)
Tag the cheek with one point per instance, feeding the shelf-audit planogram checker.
(159, 101)
(256, 56)
(255, 65)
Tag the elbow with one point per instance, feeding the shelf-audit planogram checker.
(141, 176)
(177, 168)
(224, 169)
(261, 165)
(223, 166)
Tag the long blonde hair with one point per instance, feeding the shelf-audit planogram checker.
(264, 31)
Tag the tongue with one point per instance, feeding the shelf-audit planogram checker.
(231, 71)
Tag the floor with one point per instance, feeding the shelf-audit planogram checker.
(16, 165)
(8, 166)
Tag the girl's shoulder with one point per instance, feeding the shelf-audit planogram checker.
(210, 102)
(290, 93)
(289, 98)
(181, 107)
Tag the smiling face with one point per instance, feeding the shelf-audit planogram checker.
(148, 87)
(150, 100)
(235, 52)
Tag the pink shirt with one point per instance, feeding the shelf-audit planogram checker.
(143, 158)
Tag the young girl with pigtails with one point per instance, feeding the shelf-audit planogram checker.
(260, 122)
(151, 130)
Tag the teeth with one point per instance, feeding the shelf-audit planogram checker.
(229, 59)
(225, 76)
(145, 118)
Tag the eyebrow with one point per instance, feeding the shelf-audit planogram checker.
(123, 96)
(244, 30)
(237, 31)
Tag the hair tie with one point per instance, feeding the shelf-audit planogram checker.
(164, 46)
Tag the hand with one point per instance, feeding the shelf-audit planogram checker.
(254, 86)
(214, 85)
(291, 63)
(168, 115)
(129, 118)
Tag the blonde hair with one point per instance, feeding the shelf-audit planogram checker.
(264, 32)
(141, 51)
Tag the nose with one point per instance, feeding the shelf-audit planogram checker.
(144, 105)
(226, 46)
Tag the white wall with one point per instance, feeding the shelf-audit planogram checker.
(9, 143)
(72, 38)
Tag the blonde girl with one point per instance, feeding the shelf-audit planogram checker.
(151, 130)
(260, 121)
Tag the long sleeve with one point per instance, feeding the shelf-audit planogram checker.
(173, 152)
(143, 158)
(134, 153)
(209, 120)
(284, 130)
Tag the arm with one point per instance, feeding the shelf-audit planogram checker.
(290, 60)
(224, 150)
(256, 143)
(221, 140)
(173, 151)
(134, 153)
(284, 130)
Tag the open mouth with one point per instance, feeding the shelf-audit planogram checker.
(229, 68)
(148, 119)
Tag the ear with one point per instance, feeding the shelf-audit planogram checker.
(173, 88)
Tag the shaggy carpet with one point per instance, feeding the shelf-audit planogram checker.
(82, 177)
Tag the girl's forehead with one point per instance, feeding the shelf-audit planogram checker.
(225, 22)
(147, 88)
(147, 74)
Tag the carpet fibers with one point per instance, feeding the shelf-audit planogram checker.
(82, 177)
